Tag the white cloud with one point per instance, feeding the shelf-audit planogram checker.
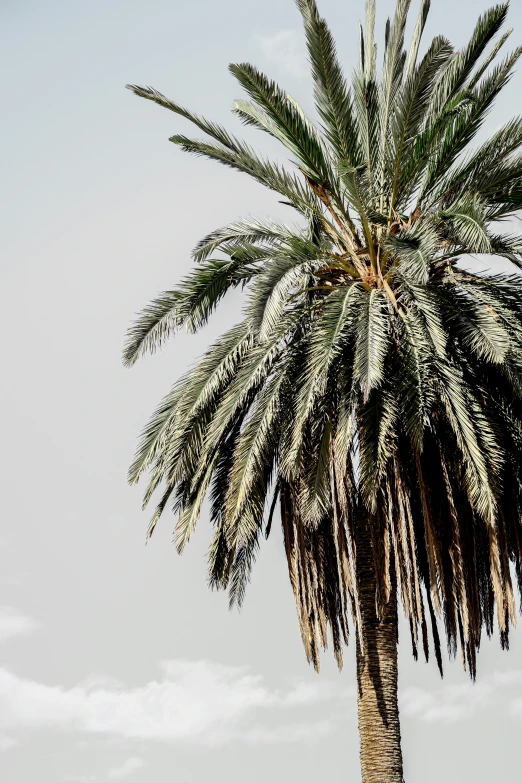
(303, 693)
(199, 702)
(286, 50)
(460, 702)
(506, 679)
(127, 768)
(14, 623)
(450, 703)
(6, 743)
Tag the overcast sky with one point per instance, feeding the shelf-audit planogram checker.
(116, 663)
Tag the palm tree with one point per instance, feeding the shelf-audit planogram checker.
(373, 390)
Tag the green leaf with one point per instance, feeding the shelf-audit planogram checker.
(286, 121)
(332, 94)
(372, 341)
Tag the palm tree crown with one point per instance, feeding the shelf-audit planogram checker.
(372, 376)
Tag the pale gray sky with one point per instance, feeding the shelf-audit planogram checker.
(116, 663)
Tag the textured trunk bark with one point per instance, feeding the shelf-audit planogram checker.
(378, 709)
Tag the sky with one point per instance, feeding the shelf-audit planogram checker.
(116, 662)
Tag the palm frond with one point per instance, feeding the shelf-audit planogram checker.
(286, 121)
(416, 40)
(373, 390)
(153, 326)
(372, 341)
(240, 233)
(332, 95)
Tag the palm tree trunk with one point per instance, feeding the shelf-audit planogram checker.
(378, 709)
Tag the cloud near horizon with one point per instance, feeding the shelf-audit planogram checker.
(211, 704)
(451, 703)
(193, 701)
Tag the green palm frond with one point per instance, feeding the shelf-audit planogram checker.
(412, 253)
(416, 40)
(373, 390)
(242, 158)
(415, 383)
(469, 122)
(286, 121)
(333, 99)
(458, 71)
(189, 306)
(155, 324)
(240, 233)
(255, 452)
(212, 129)
(372, 341)
(468, 224)
(410, 110)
